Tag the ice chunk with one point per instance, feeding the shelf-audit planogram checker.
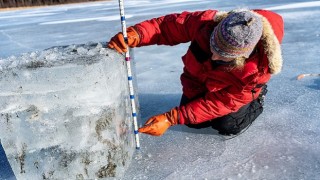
(65, 113)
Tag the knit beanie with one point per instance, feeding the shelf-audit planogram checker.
(237, 34)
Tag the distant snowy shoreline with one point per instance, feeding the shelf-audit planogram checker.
(5, 7)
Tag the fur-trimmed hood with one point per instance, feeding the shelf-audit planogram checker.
(271, 44)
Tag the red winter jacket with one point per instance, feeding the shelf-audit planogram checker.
(222, 90)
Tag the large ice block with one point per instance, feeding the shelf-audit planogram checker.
(65, 113)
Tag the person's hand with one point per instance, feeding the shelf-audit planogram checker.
(117, 42)
(158, 125)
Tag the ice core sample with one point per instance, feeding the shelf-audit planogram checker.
(65, 113)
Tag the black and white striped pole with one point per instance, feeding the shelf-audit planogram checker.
(127, 58)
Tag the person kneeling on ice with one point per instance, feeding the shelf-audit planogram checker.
(229, 61)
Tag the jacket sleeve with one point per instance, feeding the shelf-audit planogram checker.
(225, 95)
(172, 29)
(208, 107)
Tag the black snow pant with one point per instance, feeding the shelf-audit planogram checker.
(235, 122)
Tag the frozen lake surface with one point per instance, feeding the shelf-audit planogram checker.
(283, 143)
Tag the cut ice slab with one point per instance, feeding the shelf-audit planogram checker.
(65, 113)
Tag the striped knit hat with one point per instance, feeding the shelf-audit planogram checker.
(237, 34)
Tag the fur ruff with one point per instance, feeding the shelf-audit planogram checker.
(269, 40)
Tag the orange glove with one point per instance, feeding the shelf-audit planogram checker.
(117, 42)
(157, 125)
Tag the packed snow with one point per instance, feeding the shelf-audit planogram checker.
(283, 143)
